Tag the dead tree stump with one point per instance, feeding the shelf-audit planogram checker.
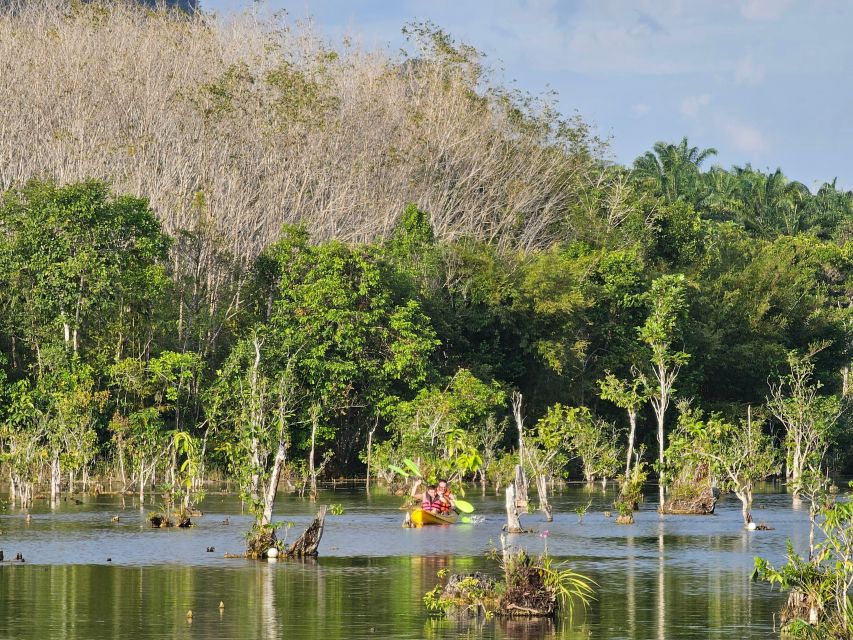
(307, 543)
(521, 499)
(513, 524)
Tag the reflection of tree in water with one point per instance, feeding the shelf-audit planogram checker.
(498, 627)
(526, 628)
(661, 603)
(270, 625)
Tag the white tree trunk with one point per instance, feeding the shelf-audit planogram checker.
(272, 487)
(55, 480)
(513, 525)
(542, 490)
(660, 412)
(632, 419)
(745, 497)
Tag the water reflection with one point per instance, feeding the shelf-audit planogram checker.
(336, 598)
(661, 600)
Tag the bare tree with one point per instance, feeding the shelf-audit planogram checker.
(244, 124)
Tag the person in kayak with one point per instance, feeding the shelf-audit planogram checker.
(445, 498)
(431, 501)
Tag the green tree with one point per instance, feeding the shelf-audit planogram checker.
(575, 432)
(81, 267)
(440, 427)
(809, 418)
(738, 455)
(630, 396)
(666, 298)
(672, 171)
(336, 349)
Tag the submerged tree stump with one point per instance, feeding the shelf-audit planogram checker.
(692, 492)
(513, 524)
(262, 539)
(309, 541)
(702, 504)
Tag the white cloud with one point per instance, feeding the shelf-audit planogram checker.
(764, 9)
(692, 105)
(640, 109)
(747, 71)
(742, 136)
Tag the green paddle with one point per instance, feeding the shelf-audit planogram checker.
(413, 467)
(464, 507)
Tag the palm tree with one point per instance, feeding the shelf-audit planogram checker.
(770, 204)
(672, 171)
(722, 200)
(829, 210)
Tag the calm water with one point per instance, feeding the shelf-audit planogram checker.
(671, 577)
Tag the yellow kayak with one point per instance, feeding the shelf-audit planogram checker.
(421, 518)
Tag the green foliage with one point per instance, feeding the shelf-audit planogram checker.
(530, 587)
(819, 604)
(569, 585)
(667, 301)
(414, 338)
(438, 428)
(81, 267)
(810, 418)
(581, 510)
(575, 432)
(736, 455)
(672, 172)
(631, 488)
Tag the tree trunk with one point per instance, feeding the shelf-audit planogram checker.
(745, 497)
(121, 468)
(661, 446)
(255, 477)
(257, 422)
(813, 511)
(520, 477)
(369, 454)
(55, 481)
(796, 469)
(513, 525)
(309, 541)
(542, 490)
(311, 468)
(141, 481)
(521, 498)
(272, 487)
(632, 419)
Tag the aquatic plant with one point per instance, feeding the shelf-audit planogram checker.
(531, 587)
(581, 510)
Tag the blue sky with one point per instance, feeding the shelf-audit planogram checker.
(766, 82)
